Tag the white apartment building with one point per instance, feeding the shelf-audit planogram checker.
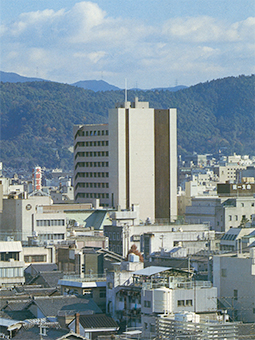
(135, 298)
(91, 163)
(11, 263)
(137, 164)
(234, 277)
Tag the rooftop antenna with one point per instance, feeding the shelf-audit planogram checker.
(125, 90)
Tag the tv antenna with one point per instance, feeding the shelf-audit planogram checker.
(125, 90)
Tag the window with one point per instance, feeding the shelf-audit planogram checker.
(102, 293)
(180, 303)
(235, 294)
(224, 272)
(189, 303)
(152, 328)
(236, 217)
(230, 217)
(147, 303)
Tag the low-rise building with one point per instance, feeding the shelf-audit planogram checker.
(221, 213)
(234, 277)
(11, 263)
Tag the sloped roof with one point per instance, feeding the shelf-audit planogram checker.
(17, 305)
(34, 333)
(51, 278)
(50, 306)
(72, 336)
(43, 267)
(97, 321)
(20, 314)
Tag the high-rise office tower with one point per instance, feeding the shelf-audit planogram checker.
(142, 160)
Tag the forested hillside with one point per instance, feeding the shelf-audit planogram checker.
(37, 118)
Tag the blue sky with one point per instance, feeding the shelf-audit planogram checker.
(150, 43)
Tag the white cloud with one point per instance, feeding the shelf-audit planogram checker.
(84, 42)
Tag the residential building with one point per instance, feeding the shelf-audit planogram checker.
(234, 277)
(236, 239)
(153, 238)
(228, 172)
(11, 263)
(221, 213)
(94, 326)
(92, 286)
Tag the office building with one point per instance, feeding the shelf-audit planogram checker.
(91, 163)
(139, 162)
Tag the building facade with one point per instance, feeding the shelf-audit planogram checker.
(91, 163)
(133, 160)
(234, 277)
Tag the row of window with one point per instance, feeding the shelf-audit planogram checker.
(91, 195)
(92, 164)
(92, 185)
(11, 272)
(92, 174)
(35, 258)
(187, 303)
(92, 154)
(9, 255)
(112, 236)
(52, 236)
(50, 223)
(92, 133)
(96, 143)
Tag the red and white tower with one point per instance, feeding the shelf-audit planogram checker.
(37, 178)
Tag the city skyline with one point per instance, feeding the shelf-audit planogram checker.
(150, 45)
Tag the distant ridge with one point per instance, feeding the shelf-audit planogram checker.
(172, 89)
(9, 77)
(95, 85)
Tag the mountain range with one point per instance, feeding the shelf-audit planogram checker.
(37, 117)
(94, 85)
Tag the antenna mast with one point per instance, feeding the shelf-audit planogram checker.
(125, 90)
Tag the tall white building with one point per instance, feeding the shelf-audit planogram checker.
(142, 160)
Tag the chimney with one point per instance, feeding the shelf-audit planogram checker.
(77, 323)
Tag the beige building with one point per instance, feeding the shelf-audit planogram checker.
(91, 163)
(228, 172)
(135, 163)
(143, 159)
(23, 218)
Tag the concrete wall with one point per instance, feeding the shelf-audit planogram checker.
(234, 277)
